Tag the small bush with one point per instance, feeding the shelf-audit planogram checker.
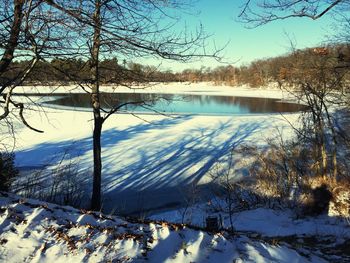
(340, 204)
(318, 201)
(8, 171)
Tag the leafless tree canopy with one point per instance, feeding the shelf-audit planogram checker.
(259, 12)
(124, 28)
(91, 30)
(135, 28)
(32, 32)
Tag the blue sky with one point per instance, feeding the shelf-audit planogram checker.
(245, 45)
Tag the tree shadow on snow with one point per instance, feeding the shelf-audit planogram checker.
(145, 166)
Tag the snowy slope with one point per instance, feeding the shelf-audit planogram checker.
(33, 231)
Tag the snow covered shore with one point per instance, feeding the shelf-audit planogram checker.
(201, 88)
(146, 165)
(32, 231)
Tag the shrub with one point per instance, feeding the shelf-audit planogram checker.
(286, 173)
(61, 184)
(279, 171)
(318, 201)
(8, 171)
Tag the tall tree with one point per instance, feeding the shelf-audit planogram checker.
(12, 37)
(16, 16)
(125, 28)
(26, 34)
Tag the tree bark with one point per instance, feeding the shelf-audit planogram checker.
(335, 142)
(12, 43)
(96, 191)
(96, 107)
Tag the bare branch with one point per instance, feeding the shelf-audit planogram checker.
(256, 13)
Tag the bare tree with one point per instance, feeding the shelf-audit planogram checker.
(126, 28)
(13, 36)
(11, 16)
(319, 74)
(316, 80)
(259, 12)
(31, 37)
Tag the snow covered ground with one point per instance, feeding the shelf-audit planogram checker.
(146, 164)
(265, 221)
(32, 231)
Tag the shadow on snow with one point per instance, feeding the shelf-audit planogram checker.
(145, 166)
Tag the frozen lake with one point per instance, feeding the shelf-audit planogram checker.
(176, 103)
(151, 161)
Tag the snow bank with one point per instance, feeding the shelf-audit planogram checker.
(33, 231)
(267, 222)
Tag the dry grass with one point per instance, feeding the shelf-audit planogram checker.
(286, 173)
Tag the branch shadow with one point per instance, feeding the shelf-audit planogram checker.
(143, 169)
(49, 153)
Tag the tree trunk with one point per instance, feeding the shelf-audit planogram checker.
(324, 157)
(7, 57)
(335, 142)
(96, 107)
(96, 192)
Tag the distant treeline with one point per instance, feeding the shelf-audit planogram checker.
(72, 70)
(258, 73)
(278, 70)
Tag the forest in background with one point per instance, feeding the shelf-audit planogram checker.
(258, 73)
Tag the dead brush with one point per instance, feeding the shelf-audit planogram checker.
(328, 192)
(278, 171)
(287, 172)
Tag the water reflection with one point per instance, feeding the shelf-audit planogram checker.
(170, 103)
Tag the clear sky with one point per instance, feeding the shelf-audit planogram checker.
(219, 17)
